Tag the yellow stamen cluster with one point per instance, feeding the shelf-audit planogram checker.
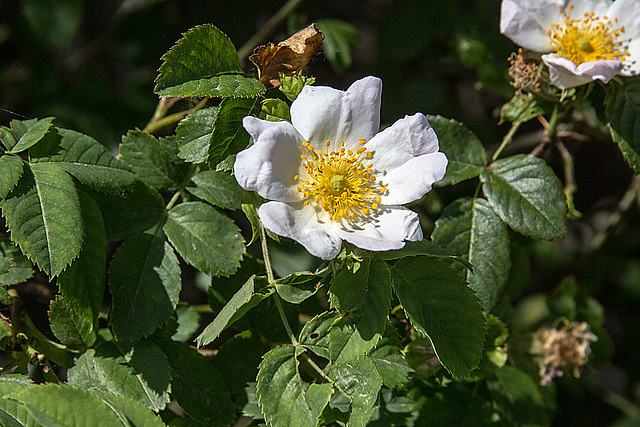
(590, 38)
(339, 182)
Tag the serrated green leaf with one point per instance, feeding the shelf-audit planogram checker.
(83, 157)
(422, 248)
(631, 156)
(205, 238)
(150, 160)
(24, 133)
(291, 86)
(440, 305)
(221, 86)
(391, 365)
(14, 267)
(339, 36)
(250, 294)
(130, 411)
(193, 134)
(284, 398)
(472, 230)
(82, 284)
(188, 323)
(197, 385)
(527, 195)
(360, 380)
(129, 211)
(365, 295)
(43, 215)
(51, 404)
(55, 352)
(12, 413)
(229, 136)
(218, 188)
(145, 283)
(139, 371)
(203, 51)
(297, 287)
(622, 108)
(315, 333)
(464, 150)
(10, 173)
(70, 327)
(274, 110)
(521, 108)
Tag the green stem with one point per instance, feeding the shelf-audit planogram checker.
(157, 124)
(271, 279)
(267, 29)
(506, 140)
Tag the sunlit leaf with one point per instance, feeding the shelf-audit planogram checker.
(193, 134)
(464, 150)
(10, 173)
(130, 411)
(139, 371)
(297, 287)
(250, 294)
(24, 133)
(144, 279)
(520, 108)
(205, 238)
(218, 188)
(471, 229)
(440, 305)
(73, 329)
(274, 110)
(43, 215)
(527, 195)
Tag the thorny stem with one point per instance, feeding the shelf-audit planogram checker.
(267, 29)
(158, 123)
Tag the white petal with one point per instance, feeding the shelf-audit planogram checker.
(270, 164)
(301, 223)
(564, 74)
(632, 63)
(322, 113)
(388, 231)
(413, 180)
(526, 22)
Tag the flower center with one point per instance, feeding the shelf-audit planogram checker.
(339, 182)
(590, 38)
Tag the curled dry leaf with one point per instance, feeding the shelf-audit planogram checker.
(290, 56)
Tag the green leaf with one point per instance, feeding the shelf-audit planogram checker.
(205, 238)
(391, 365)
(228, 136)
(284, 398)
(422, 248)
(144, 279)
(439, 304)
(130, 411)
(224, 86)
(130, 210)
(12, 413)
(55, 352)
(297, 287)
(631, 156)
(218, 188)
(139, 371)
(83, 157)
(521, 108)
(82, 284)
(464, 150)
(250, 294)
(203, 51)
(188, 322)
(361, 382)
(43, 214)
(239, 358)
(622, 108)
(150, 160)
(55, 22)
(274, 110)
(193, 134)
(527, 195)
(291, 86)
(315, 333)
(365, 295)
(14, 267)
(10, 173)
(471, 229)
(52, 404)
(24, 133)
(197, 385)
(72, 328)
(519, 398)
(338, 38)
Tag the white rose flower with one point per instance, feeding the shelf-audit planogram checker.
(330, 176)
(583, 40)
